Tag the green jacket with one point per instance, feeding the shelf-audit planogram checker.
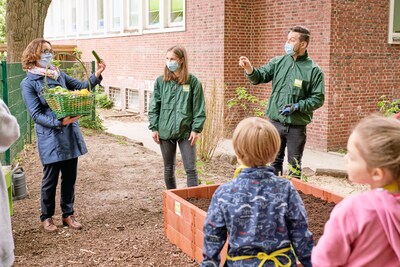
(176, 110)
(300, 81)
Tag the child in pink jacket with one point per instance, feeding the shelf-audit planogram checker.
(364, 230)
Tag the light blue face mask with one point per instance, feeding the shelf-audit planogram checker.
(45, 60)
(289, 49)
(172, 65)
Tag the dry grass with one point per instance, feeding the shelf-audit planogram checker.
(213, 129)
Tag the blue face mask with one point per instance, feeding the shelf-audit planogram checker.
(172, 65)
(289, 49)
(45, 60)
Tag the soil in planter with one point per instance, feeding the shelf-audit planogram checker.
(318, 211)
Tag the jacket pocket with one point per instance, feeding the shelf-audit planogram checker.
(47, 144)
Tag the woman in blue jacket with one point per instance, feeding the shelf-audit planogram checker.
(60, 142)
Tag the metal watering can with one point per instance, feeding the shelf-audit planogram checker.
(18, 183)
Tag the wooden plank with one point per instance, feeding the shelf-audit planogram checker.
(56, 47)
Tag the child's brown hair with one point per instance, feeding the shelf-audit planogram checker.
(379, 143)
(256, 142)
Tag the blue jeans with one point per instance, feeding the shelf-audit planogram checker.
(294, 138)
(188, 152)
(68, 169)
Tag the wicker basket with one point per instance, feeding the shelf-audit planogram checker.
(64, 105)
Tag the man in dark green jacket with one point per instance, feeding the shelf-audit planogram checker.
(297, 90)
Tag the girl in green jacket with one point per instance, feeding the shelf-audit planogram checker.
(177, 115)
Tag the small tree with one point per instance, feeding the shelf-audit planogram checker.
(2, 21)
(249, 103)
(24, 22)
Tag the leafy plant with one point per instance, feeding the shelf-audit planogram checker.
(249, 103)
(296, 171)
(88, 122)
(201, 170)
(388, 108)
(103, 101)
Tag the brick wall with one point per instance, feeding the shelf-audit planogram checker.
(141, 57)
(348, 41)
(261, 36)
(363, 65)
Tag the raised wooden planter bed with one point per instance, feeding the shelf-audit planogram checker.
(183, 221)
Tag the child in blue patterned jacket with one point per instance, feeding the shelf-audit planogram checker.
(262, 214)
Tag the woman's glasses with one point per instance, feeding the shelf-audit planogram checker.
(48, 51)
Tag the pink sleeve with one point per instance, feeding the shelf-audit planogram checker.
(333, 248)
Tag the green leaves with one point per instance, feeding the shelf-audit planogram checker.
(249, 103)
(388, 108)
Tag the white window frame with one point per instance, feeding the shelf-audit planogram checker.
(165, 25)
(95, 20)
(49, 30)
(170, 23)
(394, 37)
(137, 28)
(111, 27)
(146, 13)
(63, 17)
(80, 17)
(70, 31)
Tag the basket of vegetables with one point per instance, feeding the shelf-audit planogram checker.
(64, 102)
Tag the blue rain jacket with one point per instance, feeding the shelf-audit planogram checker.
(55, 142)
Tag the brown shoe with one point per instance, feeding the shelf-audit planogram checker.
(48, 225)
(71, 222)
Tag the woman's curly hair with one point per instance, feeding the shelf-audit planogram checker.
(31, 54)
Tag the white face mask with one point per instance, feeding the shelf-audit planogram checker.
(172, 65)
(45, 60)
(289, 49)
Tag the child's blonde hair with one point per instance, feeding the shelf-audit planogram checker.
(379, 143)
(256, 142)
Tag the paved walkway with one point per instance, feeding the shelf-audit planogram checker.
(138, 131)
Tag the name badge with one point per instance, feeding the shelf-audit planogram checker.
(186, 87)
(298, 83)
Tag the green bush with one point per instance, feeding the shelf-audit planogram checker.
(103, 101)
(88, 122)
(389, 108)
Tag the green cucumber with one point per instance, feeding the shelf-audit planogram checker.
(96, 56)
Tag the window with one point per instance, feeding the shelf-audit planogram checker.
(99, 15)
(68, 19)
(73, 16)
(115, 95)
(116, 15)
(175, 12)
(133, 14)
(62, 17)
(153, 13)
(394, 22)
(85, 16)
(132, 99)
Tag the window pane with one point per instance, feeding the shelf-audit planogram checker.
(133, 13)
(176, 10)
(116, 24)
(62, 5)
(86, 15)
(154, 12)
(100, 15)
(396, 14)
(73, 16)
